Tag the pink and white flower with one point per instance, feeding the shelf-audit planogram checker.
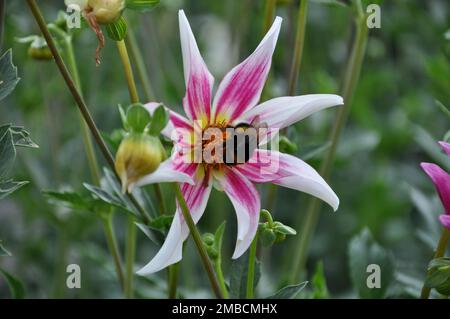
(235, 101)
(441, 180)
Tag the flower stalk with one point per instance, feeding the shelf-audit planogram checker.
(198, 243)
(251, 268)
(348, 89)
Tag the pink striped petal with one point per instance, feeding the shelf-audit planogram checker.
(288, 171)
(284, 111)
(445, 220)
(441, 180)
(199, 82)
(241, 88)
(445, 147)
(196, 197)
(166, 172)
(247, 204)
(176, 121)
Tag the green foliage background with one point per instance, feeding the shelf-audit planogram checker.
(393, 126)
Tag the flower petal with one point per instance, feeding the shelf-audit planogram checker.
(445, 220)
(199, 82)
(166, 172)
(441, 180)
(288, 171)
(196, 197)
(445, 147)
(241, 88)
(284, 111)
(246, 202)
(176, 120)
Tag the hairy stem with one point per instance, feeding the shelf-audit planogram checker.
(251, 268)
(440, 251)
(198, 242)
(348, 89)
(79, 100)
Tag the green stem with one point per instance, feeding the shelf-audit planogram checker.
(348, 89)
(130, 252)
(220, 278)
(79, 100)
(138, 60)
(160, 197)
(108, 227)
(198, 242)
(269, 12)
(172, 281)
(251, 268)
(124, 57)
(298, 49)
(440, 251)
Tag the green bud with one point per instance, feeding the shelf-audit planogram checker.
(138, 155)
(279, 237)
(208, 239)
(439, 275)
(287, 146)
(268, 237)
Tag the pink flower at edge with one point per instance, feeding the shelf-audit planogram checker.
(236, 101)
(441, 180)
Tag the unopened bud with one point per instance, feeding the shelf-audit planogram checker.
(107, 11)
(138, 155)
(40, 53)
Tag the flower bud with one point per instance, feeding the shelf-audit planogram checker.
(444, 287)
(138, 155)
(40, 53)
(268, 237)
(106, 11)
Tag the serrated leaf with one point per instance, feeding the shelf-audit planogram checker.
(159, 120)
(363, 251)
(8, 75)
(117, 30)
(7, 153)
(74, 200)
(238, 276)
(141, 5)
(15, 285)
(21, 137)
(8, 187)
(137, 118)
(289, 292)
(4, 251)
(319, 283)
(107, 197)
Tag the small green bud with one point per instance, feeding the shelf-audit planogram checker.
(268, 237)
(279, 237)
(42, 53)
(287, 146)
(208, 239)
(138, 155)
(107, 11)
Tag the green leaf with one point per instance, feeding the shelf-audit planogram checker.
(161, 223)
(141, 5)
(137, 118)
(364, 251)
(8, 187)
(288, 292)
(117, 30)
(123, 117)
(159, 120)
(108, 197)
(319, 283)
(21, 137)
(3, 250)
(15, 285)
(283, 229)
(8, 75)
(74, 200)
(443, 108)
(7, 153)
(238, 276)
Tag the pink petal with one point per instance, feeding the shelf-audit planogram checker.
(288, 171)
(445, 147)
(284, 111)
(241, 88)
(196, 197)
(445, 220)
(199, 82)
(441, 180)
(166, 172)
(247, 204)
(176, 121)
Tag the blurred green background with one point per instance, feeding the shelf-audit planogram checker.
(393, 125)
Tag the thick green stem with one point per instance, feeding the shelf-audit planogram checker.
(298, 49)
(172, 281)
(269, 12)
(220, 278)
(113, 247)
(198, 242)
(440, 251)
(79, 100)
(348, 88)
(130, 252)
(251, 268)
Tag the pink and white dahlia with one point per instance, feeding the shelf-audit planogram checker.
(234, 106)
